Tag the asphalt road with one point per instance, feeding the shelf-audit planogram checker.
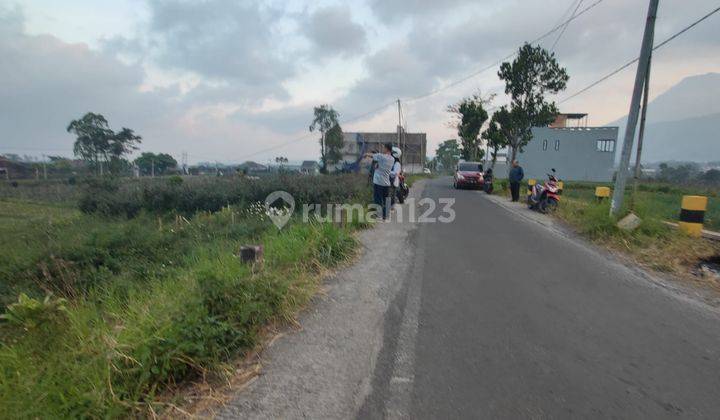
(501, 318)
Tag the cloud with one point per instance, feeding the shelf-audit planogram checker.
(45, 83)
(333, 32)
(226, 78)
(233, 44)
(390, 11)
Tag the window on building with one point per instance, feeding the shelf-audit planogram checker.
(605, 145)
(545, 144)
(557, 144)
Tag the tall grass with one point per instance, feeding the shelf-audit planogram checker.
(152, 301)
(123, 343)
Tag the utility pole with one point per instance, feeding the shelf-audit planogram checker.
(640, 76)
(152, 168)
(44, 167)
(641, 133)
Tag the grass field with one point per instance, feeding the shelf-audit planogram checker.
(120, 311)
(655, 200)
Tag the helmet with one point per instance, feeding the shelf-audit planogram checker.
(396, 152)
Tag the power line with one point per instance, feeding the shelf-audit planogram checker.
(303, 137)
(631, 62)
(433, 92)
(507, 57)
(565, 27)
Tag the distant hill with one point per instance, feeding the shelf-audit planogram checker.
(683, 123)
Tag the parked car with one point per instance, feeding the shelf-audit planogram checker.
(468, 175)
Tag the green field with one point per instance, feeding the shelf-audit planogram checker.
(120, 311)
(655, 200)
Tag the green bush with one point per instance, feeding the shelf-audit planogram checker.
(30, 314)
(212, 194)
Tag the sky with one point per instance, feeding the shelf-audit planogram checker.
(232, 80)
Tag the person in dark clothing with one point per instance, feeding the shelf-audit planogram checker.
(516, 177)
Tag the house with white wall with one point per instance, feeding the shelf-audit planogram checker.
(577, 152)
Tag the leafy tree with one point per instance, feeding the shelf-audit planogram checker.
(469, 117)
(96, 143)
(534, 73)
(448, 154)
(334, 144)
(495, 137)
(162, 163)
(325, 118)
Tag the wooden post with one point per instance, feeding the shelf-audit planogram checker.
(251, 254)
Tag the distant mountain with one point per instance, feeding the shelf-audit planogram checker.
(683, 123)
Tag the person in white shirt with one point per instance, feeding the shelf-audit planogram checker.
(381, 179)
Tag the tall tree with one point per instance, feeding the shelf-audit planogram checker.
(97, 144)
(325, 118)
(448, 154)
(534, 73)
(469, 115)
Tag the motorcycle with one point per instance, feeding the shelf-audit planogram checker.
(488, 184)
(403, 190)
(545, 198)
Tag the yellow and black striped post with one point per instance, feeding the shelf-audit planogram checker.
(531, 184)
(602, 193)
(692, 214)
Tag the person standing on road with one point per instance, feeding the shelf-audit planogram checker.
(516, 177)
(381, 178)
(395, 175)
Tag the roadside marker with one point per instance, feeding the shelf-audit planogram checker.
(531, 184)
(602, 193)
(692, 214)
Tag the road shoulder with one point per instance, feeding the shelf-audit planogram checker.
(325, 369)
(669, 284)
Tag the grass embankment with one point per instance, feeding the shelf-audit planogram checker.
(140, 305)
(653, 244)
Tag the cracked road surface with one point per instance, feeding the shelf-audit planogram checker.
(496, 316)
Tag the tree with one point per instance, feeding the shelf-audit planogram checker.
(534, 73)
(324, 119)
(96, 143)
(334, 144)
(494, 135)
(711, 176)
(281, 160)
(469, 116)
(448, 153)
(157, 164)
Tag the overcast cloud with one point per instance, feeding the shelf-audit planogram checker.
(226, 80)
